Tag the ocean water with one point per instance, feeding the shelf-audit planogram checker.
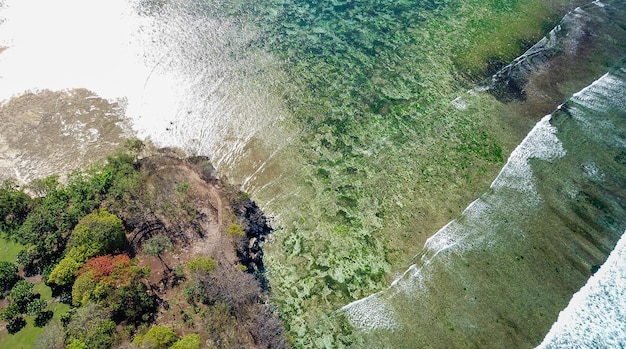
(126, 55)
(546, 224)
(351, 126)
(596, 315)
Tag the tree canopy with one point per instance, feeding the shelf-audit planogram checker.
(96, 234)
(156, 245)
(14, 206)
(21, 294)
(8, 275)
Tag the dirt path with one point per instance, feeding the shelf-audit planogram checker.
(193, 212)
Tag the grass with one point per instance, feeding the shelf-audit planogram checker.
(9, 250)
(26, 337)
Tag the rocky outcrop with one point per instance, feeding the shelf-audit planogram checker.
(257, 228)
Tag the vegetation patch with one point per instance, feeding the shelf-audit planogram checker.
(92, 241)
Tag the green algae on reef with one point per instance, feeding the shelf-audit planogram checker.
(384, 158)
(380, 143)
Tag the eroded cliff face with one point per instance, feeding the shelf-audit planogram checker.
(184, 200)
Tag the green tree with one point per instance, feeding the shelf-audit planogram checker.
(115, 283)
(10, 312)
(156, 245)
(57, 212)
(190, 341)
(36, 306)
(158, 337)
(126, 179)
(52, 337)
(15, 324)
(92, 326)
(82, 289)
(132, 302)
(97, 234)
(50, 218)
(21, 294)
(47, 224)
(77, 344)
(14, 206)
(44, 186)
(27, 256)
(65, 272)
(37, 309)
(8, 276)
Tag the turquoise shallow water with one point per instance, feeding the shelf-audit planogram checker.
(357, 127)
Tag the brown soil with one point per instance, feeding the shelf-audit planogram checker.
(192, 209)
(183, 200)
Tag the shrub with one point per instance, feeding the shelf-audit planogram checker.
(134, 145)
(156, 245)
(158, 337)
(190, 341)
(202, 263)
(235, 231)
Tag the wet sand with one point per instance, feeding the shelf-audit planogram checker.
(52, 132)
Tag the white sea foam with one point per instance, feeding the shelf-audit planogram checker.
(604, 93)
(459, 103)
(472, 228)
(540, 143)
(596, 315)
(372, 313)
